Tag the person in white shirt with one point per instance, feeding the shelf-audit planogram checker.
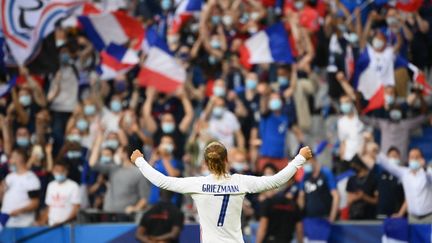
(219, 196)
(21, 190)
(349, 129)
(417, 184)
(62, 197)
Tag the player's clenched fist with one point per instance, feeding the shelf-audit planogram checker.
(306, 152)
(135, 155)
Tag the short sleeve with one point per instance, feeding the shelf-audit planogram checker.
(76, 194)
(330, 180)
(350, 185)
(33, 183)
(340, 131)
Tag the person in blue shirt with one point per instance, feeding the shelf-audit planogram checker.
(318, 194)
(166, 164)
(273, 128)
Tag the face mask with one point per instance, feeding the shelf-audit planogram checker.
(105, 159)
(283, 81)
(215, 19)
(353, 38)
(218, 111)
(60, 43)
(23, 141)
(307, 168)
(394, 161)
(395, 115)
(377, 43)
(194, 28)
(74, 138)
(73, 154)
(167, 147)
(111, 143)
(414, 165)
(13, 168)
(346, 108)
(64, 58)
(227, 20)
(166, 4)
(168, 127)
(238, 166)
(219, 91)
(391, 21)
(275, 104)
(25, 100)
(212, 60)
(254, 15)
(116, 106)
(82, 125)
(252, 30)
(389, 99)
(299, 5)
(59, 177)
(215, 44)
(251, 84)
(342, 28)
(89, 110)
(205, 172)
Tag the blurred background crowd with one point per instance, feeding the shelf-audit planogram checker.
(67, 135)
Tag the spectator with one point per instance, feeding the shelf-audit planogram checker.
(362, 192)
(390, 190)
(167, 122)
(20, 189)
(274, 125)
(318, 194)
(280, 217)
(416, 182)
(63, 197)
(127, 189)
(163, 222)
(164, 162)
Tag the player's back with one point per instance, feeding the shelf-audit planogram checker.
(219, 206)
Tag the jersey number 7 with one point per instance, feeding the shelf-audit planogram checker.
(223, 210)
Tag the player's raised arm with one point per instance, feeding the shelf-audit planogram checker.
(175, 184)
(255, 184)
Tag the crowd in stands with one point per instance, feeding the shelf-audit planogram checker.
(67, 136)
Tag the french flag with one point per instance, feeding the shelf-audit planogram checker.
(116, 27)
(115, 60)
(185, 10)
(85, 9)
(396, 230)
(267, 46)
(160, 69)
(341, 184)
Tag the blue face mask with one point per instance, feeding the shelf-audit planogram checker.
(166, 4)
(414, 164)
(74, 138)
(218, 111)
(73, 154)
(105, 159)
(116, 106)
(346, 108)
(251, 84)
(215, 44)
(238, 166)
(275, 104)
(25, 100)
(168, 127)
(82, 125)
(89, 110)
(219, 91)
(59, 177)
(283, 81)
(23, 141)
(394, 161)
(299, 5)
(111, 144)
(307, 168)
(65, 58)
(167, 147)
(12, 168)
(212, 60)
(389, 100)
(215, 19)
(395, 115)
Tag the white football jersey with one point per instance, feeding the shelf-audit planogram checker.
(219, 200)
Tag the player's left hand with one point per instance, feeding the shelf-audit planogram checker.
(135, 155)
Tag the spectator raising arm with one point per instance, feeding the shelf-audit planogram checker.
(189, 113)
(392, 168)
(149, 120)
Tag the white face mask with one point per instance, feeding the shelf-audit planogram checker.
(377, 43)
